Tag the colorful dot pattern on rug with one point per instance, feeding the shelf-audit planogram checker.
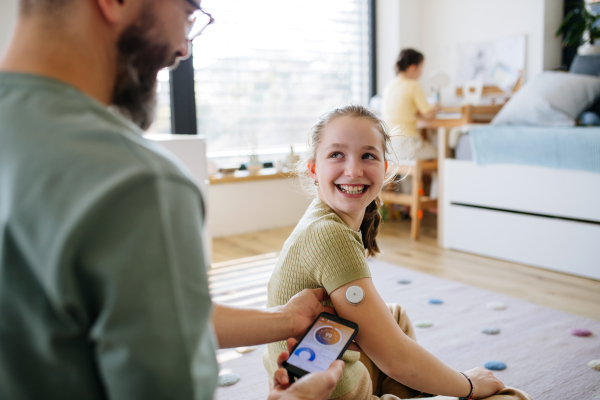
(496, 305)
(490, 330)
(424, 324)
(595, 364)
(436, 301)
(228, 380)
(495, 365)
(580, 332)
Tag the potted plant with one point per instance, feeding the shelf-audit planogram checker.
(579, 25)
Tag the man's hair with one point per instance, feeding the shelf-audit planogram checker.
(50, 7)
(407, 58)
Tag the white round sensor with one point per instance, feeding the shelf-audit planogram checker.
(355, 294)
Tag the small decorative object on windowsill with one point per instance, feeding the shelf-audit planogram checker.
(254, 166)
(292, 159)
(227, 171)
(279, 165)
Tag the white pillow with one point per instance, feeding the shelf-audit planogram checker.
(550, 99)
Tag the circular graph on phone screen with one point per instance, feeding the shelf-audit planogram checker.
(328, 335)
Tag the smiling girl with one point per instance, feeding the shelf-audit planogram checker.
(346, 164)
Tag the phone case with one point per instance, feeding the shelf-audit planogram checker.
(296, 372)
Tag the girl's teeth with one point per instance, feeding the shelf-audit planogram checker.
(352, 189)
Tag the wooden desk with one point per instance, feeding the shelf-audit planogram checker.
(442, 126)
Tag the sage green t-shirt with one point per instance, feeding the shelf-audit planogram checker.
(322, 251)
(103, 288)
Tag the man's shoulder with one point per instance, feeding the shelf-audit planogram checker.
(48, 120)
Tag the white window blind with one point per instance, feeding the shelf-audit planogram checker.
(267, 69)
(162, 119)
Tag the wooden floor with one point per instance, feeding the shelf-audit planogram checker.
(552, 289)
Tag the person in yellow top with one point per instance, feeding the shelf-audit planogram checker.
(346, 167)
(403, 101)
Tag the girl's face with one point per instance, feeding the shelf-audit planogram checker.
(349, 167)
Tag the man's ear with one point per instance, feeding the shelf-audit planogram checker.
(115, 11)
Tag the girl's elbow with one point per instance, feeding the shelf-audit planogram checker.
(397, 370)
(403, 371)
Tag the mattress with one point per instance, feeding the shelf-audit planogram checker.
(560, 147)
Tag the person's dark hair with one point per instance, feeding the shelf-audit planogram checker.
(407, 58)
(369, 227)
(50, 7)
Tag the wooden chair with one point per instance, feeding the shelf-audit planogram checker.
(471, 114)
(416, 199)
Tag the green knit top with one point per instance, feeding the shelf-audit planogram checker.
(322, 251)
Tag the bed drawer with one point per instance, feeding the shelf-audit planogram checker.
(556, 244)
(539, 190)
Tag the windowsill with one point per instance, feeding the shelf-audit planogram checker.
(245, 176)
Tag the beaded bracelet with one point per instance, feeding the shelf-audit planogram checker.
(470, 396)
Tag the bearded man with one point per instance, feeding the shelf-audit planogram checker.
(103, 289)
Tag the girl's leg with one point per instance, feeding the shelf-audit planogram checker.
(364, 390)
(507, 393)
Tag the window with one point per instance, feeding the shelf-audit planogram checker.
(267, 69)
(162, 120)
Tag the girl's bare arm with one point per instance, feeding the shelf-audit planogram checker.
(397, 355)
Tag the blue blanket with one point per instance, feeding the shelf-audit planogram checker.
(560, 147)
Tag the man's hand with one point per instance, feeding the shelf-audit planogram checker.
(304, 308)
(314, 386)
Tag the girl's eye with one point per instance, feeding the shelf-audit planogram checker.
(369, 156)
(337, 154)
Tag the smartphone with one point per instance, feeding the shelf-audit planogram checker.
(323, 343)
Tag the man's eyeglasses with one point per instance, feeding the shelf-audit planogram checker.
(197, 22)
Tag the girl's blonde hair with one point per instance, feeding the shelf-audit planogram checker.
(372, 220)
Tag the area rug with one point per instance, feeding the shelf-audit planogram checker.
(535, 342)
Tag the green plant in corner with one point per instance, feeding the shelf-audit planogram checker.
(578, 21)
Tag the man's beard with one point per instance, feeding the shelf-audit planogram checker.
(140, 57)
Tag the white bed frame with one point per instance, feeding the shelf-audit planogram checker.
(539, 216)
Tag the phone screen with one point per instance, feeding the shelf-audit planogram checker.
(321, 345)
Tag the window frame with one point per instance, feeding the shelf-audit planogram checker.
(183, 97)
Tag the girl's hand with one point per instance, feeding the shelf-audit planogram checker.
(485, 383)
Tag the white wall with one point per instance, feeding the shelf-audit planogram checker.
(8, 18)
(397, 28)
(552, 47)
(387, 15)
(256, 205)
(436, 27)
